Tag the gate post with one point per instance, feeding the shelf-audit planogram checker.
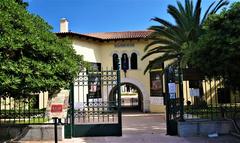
(119, 98)
(171, 120)
(180, 82)
(72, 108)
(68, 128)
(167, 101)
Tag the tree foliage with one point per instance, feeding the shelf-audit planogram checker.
(171, 41)
(32, 58)
(21, 2)
(217, 53)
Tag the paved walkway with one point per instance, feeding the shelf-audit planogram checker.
(147, 128)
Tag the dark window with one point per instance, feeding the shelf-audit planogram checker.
(115, 61)
(124, 62)
(194, 84)
(134, 61)
(224, 95)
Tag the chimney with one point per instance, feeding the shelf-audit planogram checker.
(63, 25)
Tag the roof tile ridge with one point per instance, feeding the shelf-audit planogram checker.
(133, 31)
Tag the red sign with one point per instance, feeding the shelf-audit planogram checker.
(56, 108)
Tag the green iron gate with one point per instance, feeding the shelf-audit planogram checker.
(92, 113)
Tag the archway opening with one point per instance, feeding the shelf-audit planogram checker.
(131, 97)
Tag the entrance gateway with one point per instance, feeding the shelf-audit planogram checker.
(131, 97)
(95, 104)
(91, 111)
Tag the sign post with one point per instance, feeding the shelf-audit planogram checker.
(55, 119)
(57, 109)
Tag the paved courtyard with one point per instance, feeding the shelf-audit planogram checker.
(147, 128)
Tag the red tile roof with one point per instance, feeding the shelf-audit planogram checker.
(112, 35)
(120, 35)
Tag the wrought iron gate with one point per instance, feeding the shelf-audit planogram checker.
(92, 113)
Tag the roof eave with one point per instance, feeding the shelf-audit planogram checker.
(97, 38)
(77, 34)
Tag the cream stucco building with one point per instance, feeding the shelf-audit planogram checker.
(103, 48)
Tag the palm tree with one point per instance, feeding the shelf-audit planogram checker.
(172, 41)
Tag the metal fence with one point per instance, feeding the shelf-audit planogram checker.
(210, 99)
(24, 110)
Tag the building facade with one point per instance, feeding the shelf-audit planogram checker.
(105, 49)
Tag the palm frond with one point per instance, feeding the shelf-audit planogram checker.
(168, 25)
(220, 4)
(192, 35)
(191, 8)
(173, 11)
(188, 8)
(197, 12)
(165, 32)
(162, 41)
(174, 33)
(207, 12)
(163, 22)
(153, 43)
(159, 50)
(159, 60)
(166, 42)
(178, 34)
(180, 7)
(149, 53)
(172, 39)
(165, 48)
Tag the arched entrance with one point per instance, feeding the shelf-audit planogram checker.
(131, 97)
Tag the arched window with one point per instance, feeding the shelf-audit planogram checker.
(115, 61)
(124, 62)
(134, 64)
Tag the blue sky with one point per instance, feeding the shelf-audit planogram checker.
(87, 16)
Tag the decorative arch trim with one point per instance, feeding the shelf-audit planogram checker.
(135, 51)
(115, 52)
(137, 83)
(142, 89)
